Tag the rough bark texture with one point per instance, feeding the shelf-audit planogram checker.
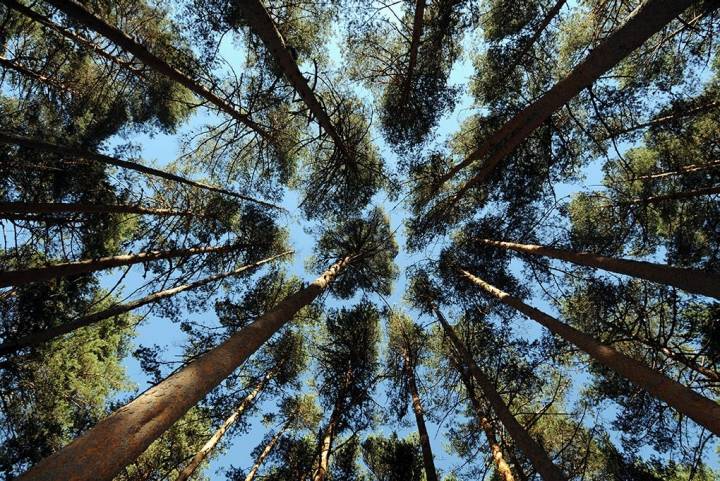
(68, 151)
(690, 280)
(702, 410)
(119, 439)
(262, 24)
(645, 21)
(49, 334)
(209, 446)
(428, 462)
(533, 451)
(45, 273)
(81, 208)
(80, 14)
(265, 453)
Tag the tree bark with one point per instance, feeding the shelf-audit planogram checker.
(209, 446)
(265, 453)
(645, 21)
(686, 401)
(69, 151)
(549, 16)
(326, 444)
(429, 463)
(80, 14)
(688, 194)
(534, 452)
(65, 269)
(414, 47)
(116, 441)
(690, 280)
(40, 337)
(665, 119)
(262, 24)
(83, 208)
(38, 77)
(686, 169)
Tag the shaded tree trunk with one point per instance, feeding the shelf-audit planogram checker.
(688, 194)
(690, 280)
(428, 462)
(549, 16)
(84, 266)
(40, 337)
(80, 14)
(265, 453)
(665, 119)
(83, 208)
(38, 77)
(211, 443)
(534, 452)
(100, 453)
(702, 410)
(69, 151)
(414, 47)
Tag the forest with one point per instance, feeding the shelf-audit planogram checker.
(360, 240)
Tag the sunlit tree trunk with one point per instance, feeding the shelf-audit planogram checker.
(79, 13)
(84, 266)
(265, 453)
(100, 453)
(429, 463)
(52, 333)
(33, 75)
(686, 169)
(83, 208)
(690, 280)
(68, 151)
(688, 194)
(702, 410)
(211, 443)
(534, 452)
(326, 443)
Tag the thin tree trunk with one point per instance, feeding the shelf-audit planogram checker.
(665, 119)
(211, 443)
(116, 441)
(430, 472)
(326, 444)
(644, 22)
(69, 151)
(31, 74)
(501, 465)
(262, 24)
(686, 169)
(690, 280)
(534, 452)
(414, 47)
(40, 337)
(84, 266)
(688, 194)
(549, 16)
(80, 14)
(84, 208)
(265, 453)
(686, 401)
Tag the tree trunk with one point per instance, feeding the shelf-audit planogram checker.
(686, 401)
(85, 17)
(265, 453)
(487, 426)
(686, 169)
(31, 74)
(688, 194)
(690, 280)
(645, 21)
(40, 337)
(102, 452)
(83, 208)
(414, 47)
(665, 119)
(326, 444)
(65, 269)
(534, 452)
(262, 24)
(430, 472)
(549, 16)
(68, 151)
(209, 446)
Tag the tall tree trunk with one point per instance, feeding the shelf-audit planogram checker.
(65, 269)
(79, 13)
(487, 426)
(265, 453)
(326, 443)
(84, 208)
(69, 151)
(549, 16)
(644, 22)
(429, 463)
(38, 77)
(688, 194)
(417, 32)
(685, 169)
(702, 410)
(102, 452)
(211, 443)
(534, 452)
(690, 280)
(40, 337)
(262, 24)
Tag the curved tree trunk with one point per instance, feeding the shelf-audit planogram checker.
(79, 13)
(644, 22)
(414, 47)
(686, 401)
(83, 208)
(115, 442)
(265, 453)
(690, 280)
(534, 452)
(40, 337)
(209, 446)
(430, 472)
(68, 151)
(84, 266)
